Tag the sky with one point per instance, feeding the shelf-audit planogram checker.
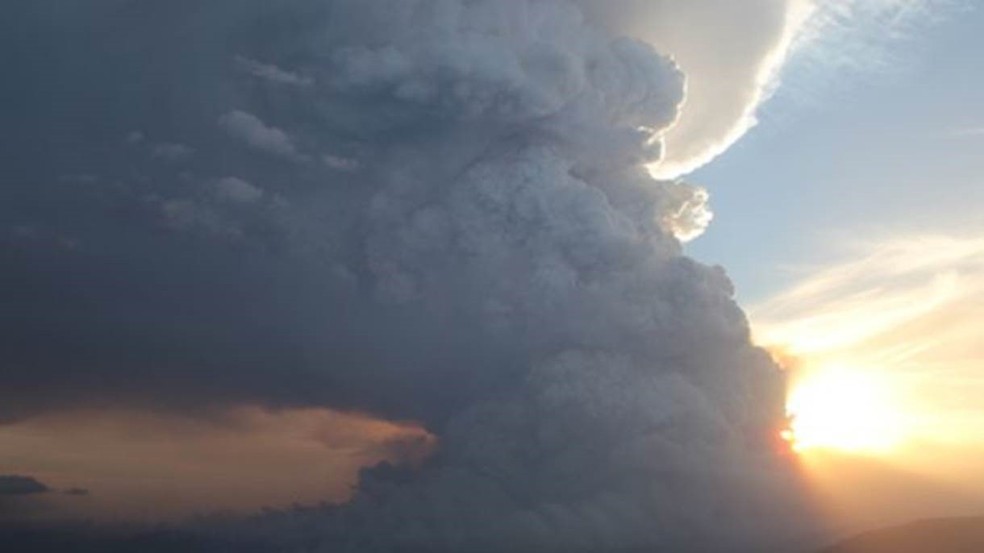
(877, 147)
(859, 190)
(441, 275)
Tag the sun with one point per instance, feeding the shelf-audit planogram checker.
(842, 409)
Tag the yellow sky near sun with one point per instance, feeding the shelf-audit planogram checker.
(889, 372)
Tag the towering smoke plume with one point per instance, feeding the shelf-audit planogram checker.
(437, 210)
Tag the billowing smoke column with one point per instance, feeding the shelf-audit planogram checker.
(436, 210)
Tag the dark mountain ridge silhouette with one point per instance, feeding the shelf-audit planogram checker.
(939, 535)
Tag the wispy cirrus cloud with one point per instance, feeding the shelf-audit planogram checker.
(967, 132)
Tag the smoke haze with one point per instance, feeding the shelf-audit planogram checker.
(431, 210)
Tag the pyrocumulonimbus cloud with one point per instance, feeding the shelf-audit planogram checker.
(483, 249)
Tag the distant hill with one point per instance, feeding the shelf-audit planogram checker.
(944, 535)
(89, 539)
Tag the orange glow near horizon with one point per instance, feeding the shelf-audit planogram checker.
(141, 466)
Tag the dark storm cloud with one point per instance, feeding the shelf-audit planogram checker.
(12, 484)
(255, 264)
(428, 209)
(149, 280)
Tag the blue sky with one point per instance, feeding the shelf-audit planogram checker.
(885, 146)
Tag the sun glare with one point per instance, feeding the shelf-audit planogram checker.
(844, 410)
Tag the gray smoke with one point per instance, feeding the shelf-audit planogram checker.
(426, 209)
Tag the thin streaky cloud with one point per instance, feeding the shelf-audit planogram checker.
(967, 132)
